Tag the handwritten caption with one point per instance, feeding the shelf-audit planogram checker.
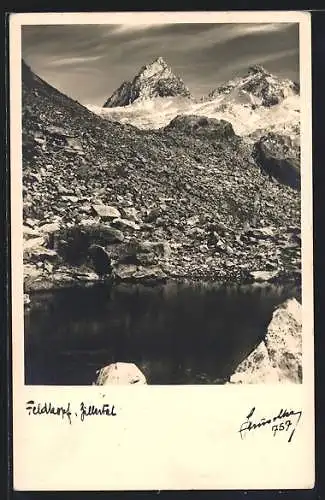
(67, 413)
(285, 421)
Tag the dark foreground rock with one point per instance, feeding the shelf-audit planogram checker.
(278, 358)
(279, 158)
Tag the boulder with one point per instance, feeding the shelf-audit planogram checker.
(30, 233)
(132, 272)
(103, 232)
(40, 254)
(284, 341)
(262, 276)
(202, 126)
(121, 374)
(26, 299)
(70, 198)
(130, 213)
(125, 224)
(106, 212)
(279, 158)
(146, 259)
(101, 259)
(125, 271)
(261, 232)
(152, 273)
(33, 242)
(50, 228)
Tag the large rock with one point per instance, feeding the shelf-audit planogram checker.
(202, 126)
(33, 241)
(31, 234)
(50, 228)
(261, 233)
(40, 254)
(101, 259)
(160, 248)
(279, 157)
(279, 357)
(150, 273)
(130, 213)
(106, 212)
(120, 373)
(141, 274)
(102, 233)
(125, 224)
(261, 276)
(125, 271)
(26, 299)
(284, 341)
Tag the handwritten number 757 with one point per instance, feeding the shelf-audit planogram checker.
(283, 426)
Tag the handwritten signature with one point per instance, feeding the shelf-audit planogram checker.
(67, 413)
(285, 420)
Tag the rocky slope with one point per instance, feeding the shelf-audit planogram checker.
(254, 104)
(185, 202)
(153, 80)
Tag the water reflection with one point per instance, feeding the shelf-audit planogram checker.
(176, 334)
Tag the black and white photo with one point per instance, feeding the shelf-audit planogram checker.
(162, 249)
(161, 203)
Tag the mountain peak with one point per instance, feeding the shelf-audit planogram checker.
(153, 80)
(160, 61)
(257, 87)
(257, 69)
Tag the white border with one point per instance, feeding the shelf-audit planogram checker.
(182, 437)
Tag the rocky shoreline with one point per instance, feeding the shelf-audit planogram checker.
(57, 256)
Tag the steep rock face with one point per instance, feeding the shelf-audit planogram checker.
(154, 80)
(279, 157)
(278, 358)
(284, 341)
(258, 88)
(121, 96)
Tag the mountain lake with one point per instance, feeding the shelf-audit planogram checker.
(175, 333)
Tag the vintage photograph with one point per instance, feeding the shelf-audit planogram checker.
(161, 204)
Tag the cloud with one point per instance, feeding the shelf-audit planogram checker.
(203, 54)
(261, 59)
(132, 28)
(72, 61)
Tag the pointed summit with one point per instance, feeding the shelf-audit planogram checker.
(159, 60)
(153, 80)
(258, 69)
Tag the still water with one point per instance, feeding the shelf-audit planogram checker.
(175, 334)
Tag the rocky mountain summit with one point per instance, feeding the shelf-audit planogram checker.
(189, 201)
(153, 80)
(255, 104)
(258, 88)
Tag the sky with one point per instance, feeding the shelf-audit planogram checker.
(88, 62)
